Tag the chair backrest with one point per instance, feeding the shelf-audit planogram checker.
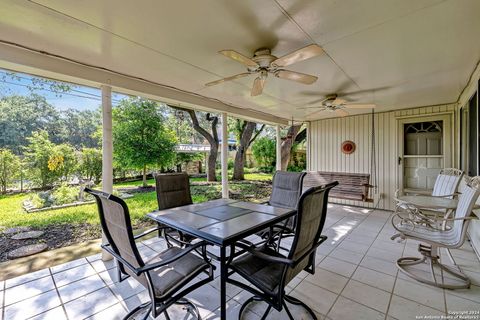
(466, 201)
(310, 219)
(447, 182)
(117, 227)
(286, 189)
(173, 190)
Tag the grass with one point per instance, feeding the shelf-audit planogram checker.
(12, 213)
(248, 176)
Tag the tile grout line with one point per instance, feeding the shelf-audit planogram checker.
(3, 299)
(350, 278)
(58, 294)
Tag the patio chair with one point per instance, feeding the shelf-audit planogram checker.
(432, 239)
(165, 276)
(268, 270)
(446, 185)
(173, 190)
(286, 191)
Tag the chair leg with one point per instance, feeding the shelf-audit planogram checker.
(430, 253)
(297, 302)
(288, 311)
(266, 312)
(132, 315)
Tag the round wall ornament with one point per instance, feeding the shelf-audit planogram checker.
(348, 147)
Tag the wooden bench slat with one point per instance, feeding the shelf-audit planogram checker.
(352, 186)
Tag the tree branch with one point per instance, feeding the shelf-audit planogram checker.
(256, 134)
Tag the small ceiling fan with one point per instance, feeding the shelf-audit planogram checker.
(263, 62)
(333, 103)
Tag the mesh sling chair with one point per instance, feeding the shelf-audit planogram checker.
(270, 271)
(286, 191)
(173, 190)
(165, 276)
(432, 239)
(446, 185)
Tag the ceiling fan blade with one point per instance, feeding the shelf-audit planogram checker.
(296, 76)
(239, 58)
(360, 106)
(237, 76)
(341, 112)
(314, 113)
(298, 55)
(338, 101)
(305, 108)
(258, 85)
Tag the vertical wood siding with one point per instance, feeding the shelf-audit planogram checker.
(328, 134)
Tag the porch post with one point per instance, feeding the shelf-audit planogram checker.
(279, 149)
(309, 147)
(224, 160)
(107, 150)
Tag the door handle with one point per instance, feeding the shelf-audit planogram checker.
(399, 160)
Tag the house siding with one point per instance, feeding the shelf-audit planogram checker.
(327, 135)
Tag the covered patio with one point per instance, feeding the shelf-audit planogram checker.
(355, 278)
(415, 62)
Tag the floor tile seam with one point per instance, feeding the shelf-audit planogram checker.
(78, 298)
(58, 294)
(5, 286)
(57, 272)
(78, 280)
(393, 287)
(356, 268)
(2, 303)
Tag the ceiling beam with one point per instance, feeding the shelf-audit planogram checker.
(22, 59)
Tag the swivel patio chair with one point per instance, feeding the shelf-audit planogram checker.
(446, 185)
(286, 191)
(165, 276)
(173, 190)
(432, 238)
(270, 271)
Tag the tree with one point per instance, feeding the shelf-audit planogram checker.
(38, 154)
(244, 130)
(79, 128)
(211, 137)
(9, 168)
(140, 140)
(287, 144)
(181, 158)
(63, 161)
(263, 150)
(21, 116)
(90, 164)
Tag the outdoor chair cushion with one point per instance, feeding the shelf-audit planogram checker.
(263, 274)
(444, 238)
(175, 274)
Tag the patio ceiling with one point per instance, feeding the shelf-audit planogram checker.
(414, 52)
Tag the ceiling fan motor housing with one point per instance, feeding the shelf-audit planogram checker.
(264, 59)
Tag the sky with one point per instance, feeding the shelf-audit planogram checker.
(79, 97)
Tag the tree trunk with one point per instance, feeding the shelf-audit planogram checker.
(212, 139)
(287, 145)
(241, 155)
(145, 176)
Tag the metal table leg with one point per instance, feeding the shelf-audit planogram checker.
(223, 284)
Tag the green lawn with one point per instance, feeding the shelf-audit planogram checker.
(12, 213)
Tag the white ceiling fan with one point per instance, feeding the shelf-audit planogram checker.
(333, 103)
(263, 62)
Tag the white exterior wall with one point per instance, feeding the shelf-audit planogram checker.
(328, 134)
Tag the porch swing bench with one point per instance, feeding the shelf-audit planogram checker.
(351, 186)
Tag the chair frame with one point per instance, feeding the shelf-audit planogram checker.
(156, 305)
(279, 300)
(430, 251)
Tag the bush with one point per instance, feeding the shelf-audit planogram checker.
(65, 194)
(230, 163)
(264, 151)
(37, 201)
(266, 169)
(295, 169)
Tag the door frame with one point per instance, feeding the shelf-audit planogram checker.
(448, 139)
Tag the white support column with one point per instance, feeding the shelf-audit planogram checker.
(309, 147)
(107, 149)
(224, 160)
(279, 149)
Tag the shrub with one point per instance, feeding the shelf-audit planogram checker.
(65, 194)
(37, 201)
(264, 152)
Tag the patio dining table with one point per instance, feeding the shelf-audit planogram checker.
(222, 222)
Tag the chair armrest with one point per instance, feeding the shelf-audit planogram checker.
(253, 250)
(146, 232)
(464, 218)
(309, 252)
(162, 263)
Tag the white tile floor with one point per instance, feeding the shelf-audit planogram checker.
(355, 278)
